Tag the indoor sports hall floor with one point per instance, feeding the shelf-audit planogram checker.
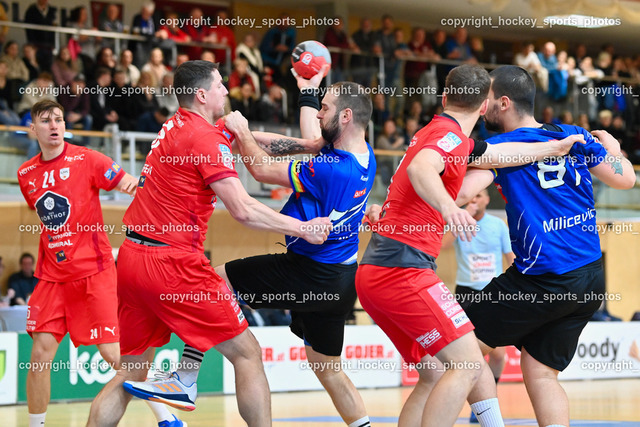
(610, 403)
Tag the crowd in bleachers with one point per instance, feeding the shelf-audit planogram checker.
(576, 86)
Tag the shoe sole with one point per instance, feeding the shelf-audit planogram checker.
(183, 406)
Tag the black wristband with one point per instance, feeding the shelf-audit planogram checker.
(309, 98)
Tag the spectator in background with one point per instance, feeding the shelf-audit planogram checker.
(583, 121)
(439, 46)
(458, 48)
(248, 51)
(145, 98)
(477, 50)
(123, 104)
(580, 53)
(111, 21)
(528, 59)
(39, 89)
(401, 53)
(335, 36)
(86, 45)
(270, 106)
(144, 24)
(276, 47)
(181, 59)
(222, 34)
(16, 68)
(245, 102)
(23, 282)
(151, 121)
(363, 65)
(7, 115)
(241, 75)
(131, 72)
(389, 139)
(559, 78)
(197, 31)
(171, 31)
(156, 65)
(64, 68)
(416, 111)
(40, 13)
(411, 126)
(566, 118)
(207, 55)
(548, 58)
(548, 116)
(17, 73)
(101, 109)
(5, 301)
(77, 105)
(385, 45)
(380, 112)
(167, 97)
(30, 61)
(420, 49)
(105, 59)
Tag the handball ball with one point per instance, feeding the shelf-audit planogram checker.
(308, 57)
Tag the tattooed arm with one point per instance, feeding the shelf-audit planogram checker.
(615, 170)
(280, 145)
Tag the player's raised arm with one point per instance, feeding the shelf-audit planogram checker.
(255, 158)
(311, 141)
(424, 174)
(475, 180)
(251, 213)
(615, 170)
(520, 153)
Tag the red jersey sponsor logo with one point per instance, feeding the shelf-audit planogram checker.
(428, 339)
(28, 169)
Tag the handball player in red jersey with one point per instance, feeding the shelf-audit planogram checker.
(190, 165)
(76, 292)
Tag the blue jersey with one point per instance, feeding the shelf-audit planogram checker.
(335, 185)
(550, 207)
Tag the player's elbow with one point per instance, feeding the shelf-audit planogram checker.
(626, 183)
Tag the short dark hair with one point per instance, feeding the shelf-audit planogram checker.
(516, 84)
(191, 76)
(101, 71)
(26, 255)
(46, 106)
(355, 97)
(467, 87)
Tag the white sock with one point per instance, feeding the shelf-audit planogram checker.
(189, 366)
(488, 413)
(362, 422)
(37, 420)
(160, 411)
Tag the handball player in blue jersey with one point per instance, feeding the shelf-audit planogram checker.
(542, 302)
(316, 283)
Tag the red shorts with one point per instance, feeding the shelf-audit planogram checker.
(163, 290)
(413, 307)
(86, 308)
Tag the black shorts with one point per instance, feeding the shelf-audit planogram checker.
(466, 296)
(320, 296)
(543, 313)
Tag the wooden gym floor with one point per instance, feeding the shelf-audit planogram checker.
(610, 403)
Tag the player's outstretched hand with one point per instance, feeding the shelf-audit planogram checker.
(128, 184)
(373, 213)
(313, 81)
(317, 230)
(608, 141)
(564, 145)
(460, 222)
(236, 122)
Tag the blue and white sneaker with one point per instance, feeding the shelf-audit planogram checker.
(167, 389)
(473, 419)
(175, 423)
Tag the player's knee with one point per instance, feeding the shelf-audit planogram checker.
(41, 352)
(111, 357)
